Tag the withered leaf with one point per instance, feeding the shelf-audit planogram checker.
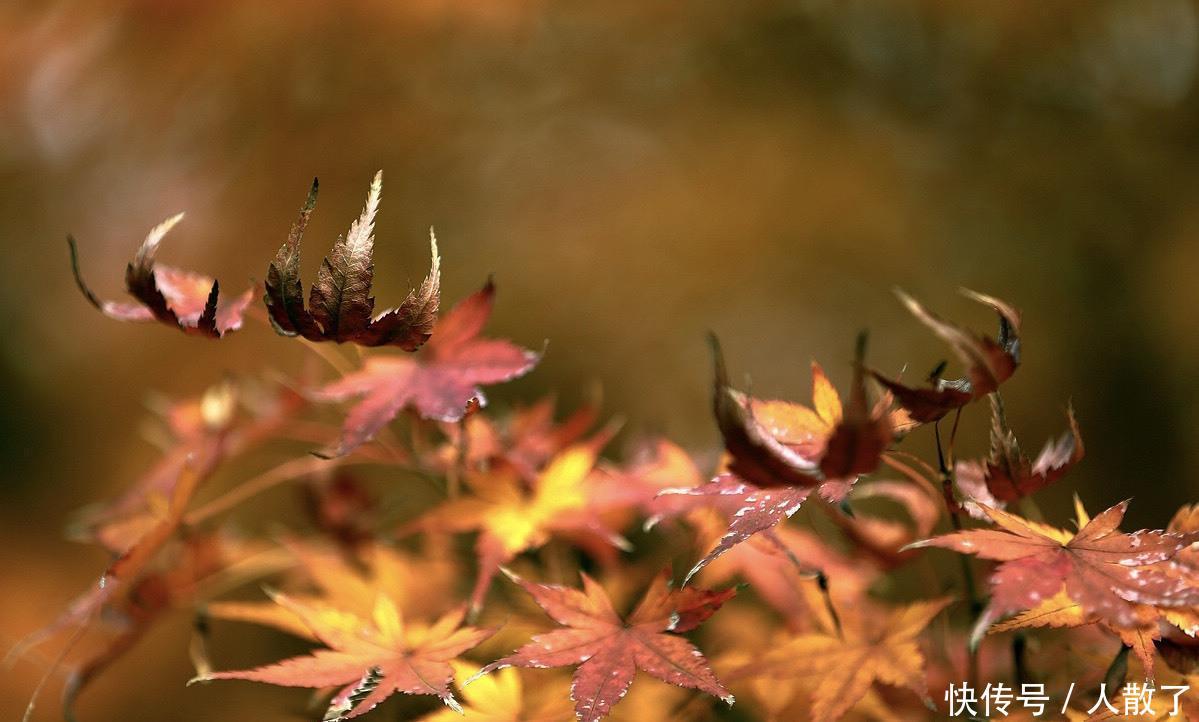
(188, 301)
(1007, 474)
(756, 455)
(609, 650)
(340, 307)
(988, 361)
(775, 443)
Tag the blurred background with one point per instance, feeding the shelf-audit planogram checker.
(634, 174)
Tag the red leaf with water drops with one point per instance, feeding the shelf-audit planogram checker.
(439, 383)
(183, 299)
(1106, 571)
(609, 650)
(750, 510)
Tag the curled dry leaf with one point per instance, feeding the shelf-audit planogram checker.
(1008, 475)
(988, 361)
(438, 384)
(609, 650)
(778, 443)
(183, 299)
(340, 307)
(383, 651)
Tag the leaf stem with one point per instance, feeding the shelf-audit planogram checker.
(1117, 671)
(287, 471)
(953, 509)
(1020, 673)
(822, 582)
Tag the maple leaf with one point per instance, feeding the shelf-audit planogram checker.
(513, 517)
(1108, 573)
(874, 645)
(439, 384)
(382, 651)
(1007, 474)
(988, 361)
(1061, 611)
(526, 439)
(200, 432)
(503, 696)
(774, 443)
(653, 466)
(778, 561)
(188, 301)
(750, 510)
(609, 650)
(340, 307)
(882, 540)
(417, 584)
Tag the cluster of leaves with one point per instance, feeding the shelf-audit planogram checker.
(806, 627)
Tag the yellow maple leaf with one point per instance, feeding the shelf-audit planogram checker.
(418, 584)
(369, 657)
(503, 697)
(513, 516)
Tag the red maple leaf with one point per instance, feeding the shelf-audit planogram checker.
(1107, 572)
(750, 510)
(183, 299)
(609, 650)
(439, 383)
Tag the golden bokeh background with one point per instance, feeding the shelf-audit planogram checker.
(634, 174)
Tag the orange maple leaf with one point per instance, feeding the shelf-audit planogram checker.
(872, 645)
(382, 653)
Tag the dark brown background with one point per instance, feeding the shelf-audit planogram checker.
(634, 173)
